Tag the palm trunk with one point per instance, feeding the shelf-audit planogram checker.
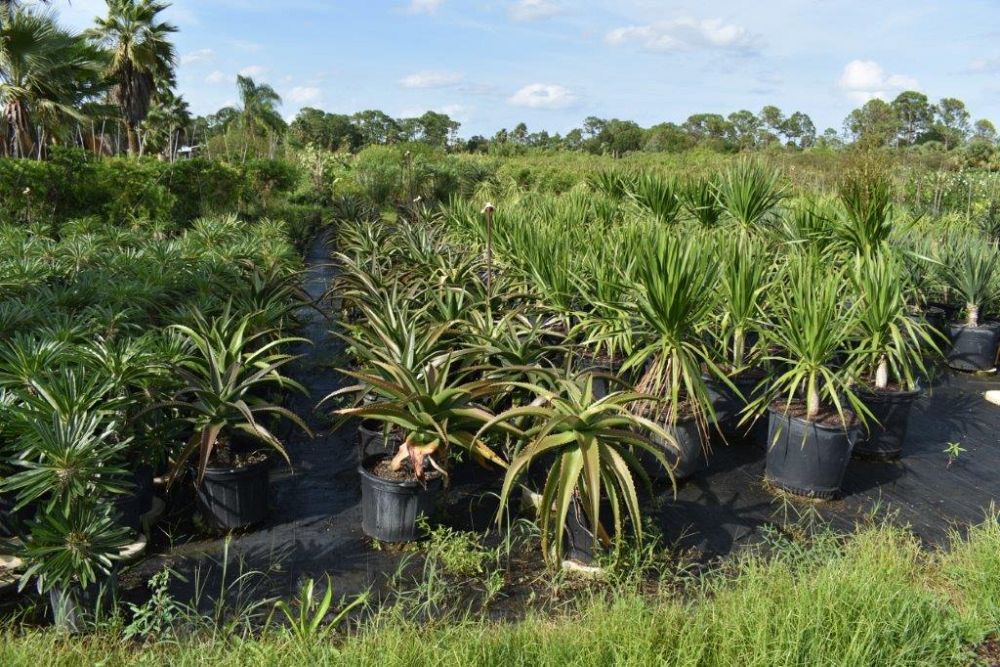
(133, 138)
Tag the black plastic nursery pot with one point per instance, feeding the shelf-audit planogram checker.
(883, 439)
(390, 508)
(973, 349)
(733, 428)
(235, 497)
(686, 458)
(132, 505)
(807, 458)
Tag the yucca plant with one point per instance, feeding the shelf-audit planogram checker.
(971, 270)
(750, 193)
(746, 267)
(675, 280)
(700, 198)
(591, 441)
(657, 196)
(809, 326)
(889, 344)
(868, 221)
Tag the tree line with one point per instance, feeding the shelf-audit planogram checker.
(112, 90)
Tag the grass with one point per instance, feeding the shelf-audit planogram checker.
(875, 598)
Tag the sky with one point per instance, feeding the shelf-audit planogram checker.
(551, 63)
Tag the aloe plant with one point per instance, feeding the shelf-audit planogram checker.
(592, 441)
(226, 365)
(436, 407)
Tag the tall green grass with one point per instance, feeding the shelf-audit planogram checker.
(875, 598)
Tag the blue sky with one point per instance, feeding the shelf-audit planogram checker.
(551, 63)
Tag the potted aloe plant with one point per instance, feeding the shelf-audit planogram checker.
(226, 370)
(888, 353)
(676, 291)
(588, 442)
(971, 271)
(434, 409)
(812, 405)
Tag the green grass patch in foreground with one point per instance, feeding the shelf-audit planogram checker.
(876, 598)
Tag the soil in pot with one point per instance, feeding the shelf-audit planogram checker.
(234, 491)
(883, 439)
(393, 500)
(973, 349)
(808, 458)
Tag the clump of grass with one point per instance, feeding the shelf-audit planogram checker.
(872, 598)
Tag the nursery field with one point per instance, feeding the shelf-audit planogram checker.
(402, 405)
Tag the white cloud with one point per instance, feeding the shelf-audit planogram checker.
(533, 10)
(199, 56)
(253, 71)
(430, 79)
(864, 80)
(543, 96)
(424, 6)
(687, 34)
(216, 77)
(304, 94)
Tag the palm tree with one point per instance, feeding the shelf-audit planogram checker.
(167, 122)
(259, 109)
(46, 73)
(142, 58)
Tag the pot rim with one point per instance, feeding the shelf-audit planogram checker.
(228, 471)
(404, 484)
(823, 427)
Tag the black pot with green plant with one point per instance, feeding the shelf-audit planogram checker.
(971, 271)
(223, 373)
(676, 290)
(433, 408)
(588, 444)
(811, 402)
(888, 354)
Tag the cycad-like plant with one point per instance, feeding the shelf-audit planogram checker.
(890, 343)
(592, 441)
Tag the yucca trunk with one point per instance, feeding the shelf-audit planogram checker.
(133, 138)
(739, 348)
(972, 315)
(21, 138)
(882, 373)
(812, 399)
